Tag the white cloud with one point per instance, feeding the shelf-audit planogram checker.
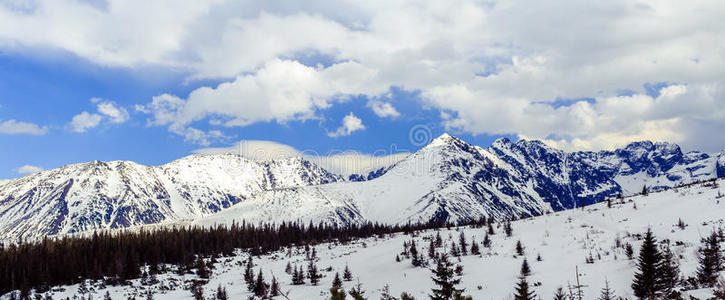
(107, 110)
(84, 121)
(17, 127)
(28, 169)
(339, 162)
(482, 63)
(114, 113)
(383, 109)
(350, 124)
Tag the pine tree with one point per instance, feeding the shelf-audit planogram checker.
(525, 269)
(249, 274)
(490, 229)
(274, 287)
(415, 258)
(107, 296)
(357, 292)
(464, 244)
(647, 280)
(445, 278)
(629, 251)
(385, 293)
(346, 274)
(197, 290)
(298, 276)
(439, 240)
(149, 295)
(644, 190)
(337, 293)
(508, 229)
(710, 260)
(312, 273)
(432, 250)
(260, 286)
(406, 296)
(607, 293)
(201, 269)
(523, 291)
(519, 248)
(221, 293)
(669, 270)
(337, 282)
(474, 247)
(486, 241)
(560, 294)
(288, 268)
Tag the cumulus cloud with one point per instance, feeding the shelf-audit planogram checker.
(350, 123)
(482, 63)
(84, 121)
(337, 161)
(28, 169)
(383, 109)
(18, 127)
(106, 110)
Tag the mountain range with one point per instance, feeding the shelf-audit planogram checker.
(447, 180)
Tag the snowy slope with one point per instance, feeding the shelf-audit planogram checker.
(447, 180)
(451, 180)
(563, 239)
(120, 194)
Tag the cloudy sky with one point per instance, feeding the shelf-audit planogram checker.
(152, 81)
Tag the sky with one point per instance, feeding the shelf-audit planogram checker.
(153, 81)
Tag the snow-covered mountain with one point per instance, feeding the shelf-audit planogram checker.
(447, 180)
(451, 180)
(119, 194)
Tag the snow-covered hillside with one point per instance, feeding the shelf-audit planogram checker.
(564, 240)
(451, 180)
(119, 194)
(447, 180)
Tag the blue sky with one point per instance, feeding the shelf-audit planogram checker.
(151, 81)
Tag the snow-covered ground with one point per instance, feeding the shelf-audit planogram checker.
(564, 240)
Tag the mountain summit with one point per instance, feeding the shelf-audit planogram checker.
(447, 180)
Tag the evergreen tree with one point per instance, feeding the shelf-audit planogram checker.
(249, 274)
(337, 293)
(346, 274)
(149, 295)
(201, 269)
(629, 251)
(439, 240)
(445, 278)
(406, 296)
(710, 260)
(197, 290)
(560, 294)
(221, 293)
(414, 258)
(385, 293)
(487, 241)
(647, 280)
(298, 276)
(274, 287)
(260, 286)
(432, 250)
(312, 273)
(337, 281)
(107, 296)
(508, 229)
(454, 250)
(474, 247)
(644, 190)
(357, 292)
(490, 229)
(464, 244)
(669, 270)
(519, 248)
(523, 291)
(288, 268)
(607, 293)
(525, 269)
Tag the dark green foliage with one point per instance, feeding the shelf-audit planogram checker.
(260, 286)
(486, 241)
(337, 282)
(298, 276)
(710, 260)
(221, 293)
(312, 273)
(347, 274)
(647, 280)
(519, 248)
(118, 257)
(274, 287)
(508, 229)
(406, 296)
(249, 274)
(607, 293)
(463, 243)
(445, 279)
(201, 269)
(523, 291)
(474, 247)
(525, 269)
(560, 294)
(669, 270)
(197, 290)
(337, 293)
(357, 292)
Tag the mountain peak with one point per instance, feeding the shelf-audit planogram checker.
(443, 139)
